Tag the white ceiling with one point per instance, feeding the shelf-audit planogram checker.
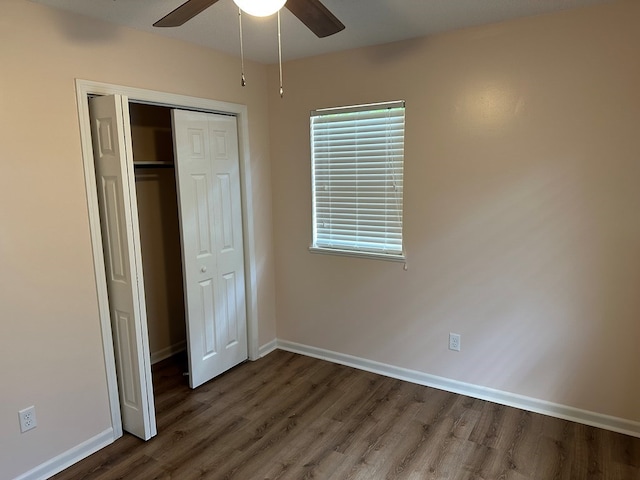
(368, 22)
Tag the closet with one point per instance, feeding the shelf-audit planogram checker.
(170, 208)
(155, 182)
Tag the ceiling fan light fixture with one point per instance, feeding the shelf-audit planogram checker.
(260, 8)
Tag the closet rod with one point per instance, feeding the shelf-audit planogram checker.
(153, 164)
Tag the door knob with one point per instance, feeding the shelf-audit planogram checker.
(203, 269)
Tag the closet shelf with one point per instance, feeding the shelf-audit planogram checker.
(153, 164)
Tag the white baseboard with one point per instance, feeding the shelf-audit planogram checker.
(267, 348)
(68, 458)
(565, 412)
(168, 352)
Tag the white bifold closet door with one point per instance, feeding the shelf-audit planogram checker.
(111, 137)
(210, 211)
(208, 180)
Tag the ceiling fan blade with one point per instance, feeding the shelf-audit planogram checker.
(315, 16)
(184, 12)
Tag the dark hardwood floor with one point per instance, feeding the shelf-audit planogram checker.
(287, 416)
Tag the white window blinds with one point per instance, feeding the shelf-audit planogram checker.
(357, 179)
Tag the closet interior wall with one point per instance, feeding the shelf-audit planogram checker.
(153, 158)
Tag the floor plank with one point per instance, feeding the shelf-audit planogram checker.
(288, 416)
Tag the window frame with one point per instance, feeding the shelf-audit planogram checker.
(359, 250)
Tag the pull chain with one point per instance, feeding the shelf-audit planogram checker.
(242, 81)
(280, 56)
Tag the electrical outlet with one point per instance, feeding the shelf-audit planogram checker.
(27, 418)
(454, 342)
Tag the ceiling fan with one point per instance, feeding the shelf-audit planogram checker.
(312, 13)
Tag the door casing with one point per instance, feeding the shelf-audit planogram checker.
(86, 88)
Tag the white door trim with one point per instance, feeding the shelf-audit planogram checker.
(84, 88)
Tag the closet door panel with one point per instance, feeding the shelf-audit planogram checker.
(121, 245)
(207, 170)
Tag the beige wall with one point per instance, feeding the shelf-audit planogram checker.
(50, 341)
(522, 201)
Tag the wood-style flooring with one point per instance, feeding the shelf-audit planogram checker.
(288, 416)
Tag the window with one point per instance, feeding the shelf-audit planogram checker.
(357, 156)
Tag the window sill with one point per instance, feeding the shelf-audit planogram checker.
(352, 253)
